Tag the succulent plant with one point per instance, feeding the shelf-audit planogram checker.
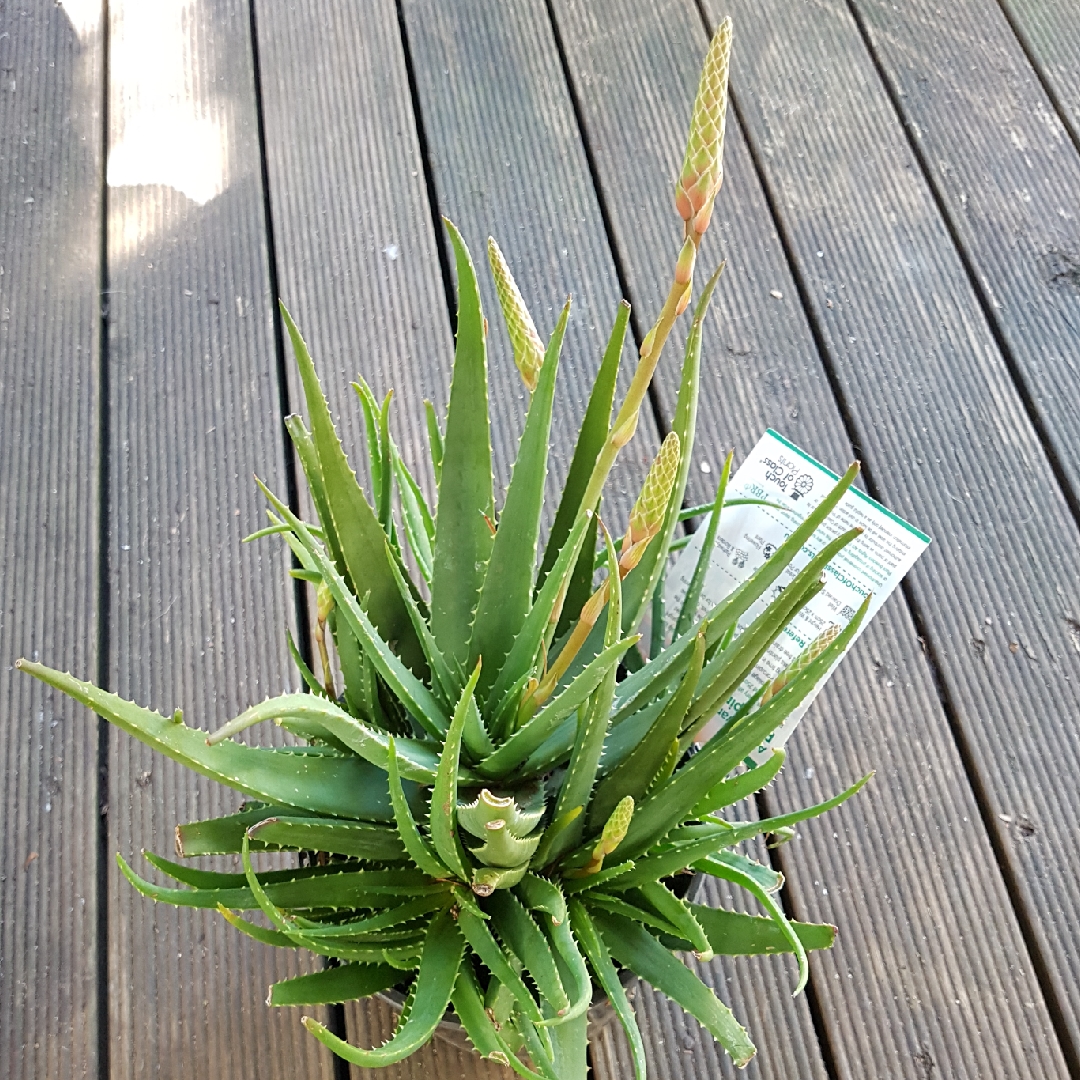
(497, 782)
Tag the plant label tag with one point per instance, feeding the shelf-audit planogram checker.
(788, 484)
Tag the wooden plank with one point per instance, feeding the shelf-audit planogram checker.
(358, 265)
(935, 414)
(50, 227)
(1048, 31)
(356, 247)
(636, 74)
(1007, 177)
(196, 620)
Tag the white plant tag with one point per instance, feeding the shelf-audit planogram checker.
(778, 471)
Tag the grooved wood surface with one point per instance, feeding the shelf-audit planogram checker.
(508, 160)
(761, 369)
(1008, 177)
(1048, 31)
(938, 420)
(50, 222)
(356, 247)
(197, 620)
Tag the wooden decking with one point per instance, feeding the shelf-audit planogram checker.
(901, 223)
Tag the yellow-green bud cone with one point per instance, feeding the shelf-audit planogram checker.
(528, 348)
(616, 826)
(801, 662)
(703, 167)
(648, 513)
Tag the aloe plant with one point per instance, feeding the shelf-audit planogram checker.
(495, 778)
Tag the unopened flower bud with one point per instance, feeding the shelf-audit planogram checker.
(648, 513)
(616, 826)
(684, 268)
(801, 662)
(528, 348)
(324, 602)
(703, 169)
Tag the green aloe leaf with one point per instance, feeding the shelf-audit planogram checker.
(327, 785)
(634, 947)
(435, 439)
(357, 839)
(214, 879)
(447, 681)
(688, 611)
(540, 894)
(580, 776)
(443, 826)
(225, 835)
(514, 752)
(462, 538)
(729, 792)
(594, 429)
(482, 942)
(419, 524)
(318, 717)
(361, 686)
(746, 830)
(635, 773)
(385, 919)
(678, 913)
(440, 962)
(310, 680)
(672, 801)
(619, 905)
(413, 694)
(483, 1034)
(309, 462)
(600, 960)
(343, 889)
(601, 877)
(253, 930)
(573, 970)
(419, 849)
(731, 933)
(526, 647)
(519, 931)
(355, 524)
(345, 983)
(733, 870)
(506, 595)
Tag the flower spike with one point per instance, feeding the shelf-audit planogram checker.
(703, 168)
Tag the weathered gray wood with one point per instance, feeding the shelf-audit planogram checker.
(50, 222)
(1048, 31)
(1008, 178)
(196, 620)
(936, 417)
(356, 246)
(636, 74)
